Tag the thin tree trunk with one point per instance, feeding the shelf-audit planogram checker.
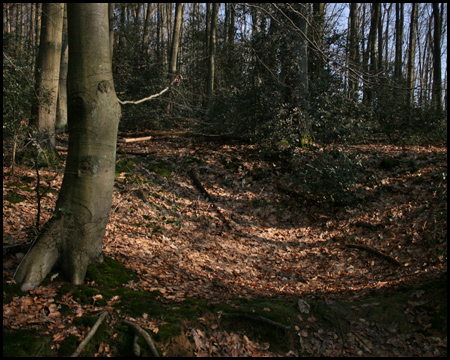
(47, 71)
(212, 54)
(176, 38)
(398, 41)
(354, 51)
(61, 110)
(437, 74)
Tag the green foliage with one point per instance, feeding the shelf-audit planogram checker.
(161, 168)
(329, 177)
(18, 93)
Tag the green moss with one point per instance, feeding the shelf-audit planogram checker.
(125, 165)
(15, 198)
(26, 343)
(110, 273)
(191, 160)
(166, 332)
(161, 168)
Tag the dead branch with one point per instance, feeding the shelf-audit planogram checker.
(374, 251)
(140, 331)
(259, 318)
(90, 334)
(134, 139)
(177, 79)
(198, 185)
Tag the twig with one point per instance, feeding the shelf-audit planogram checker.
(260, 318)
(373, 251)
(89, 335)
(140, 331)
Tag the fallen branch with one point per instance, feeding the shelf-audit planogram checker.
(140, 331)
(198, 185)
(89, 335)
(259, 318)
(375, 252)
(134, 139)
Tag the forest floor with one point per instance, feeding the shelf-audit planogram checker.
(255, 269)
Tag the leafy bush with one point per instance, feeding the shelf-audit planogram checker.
(330, 176)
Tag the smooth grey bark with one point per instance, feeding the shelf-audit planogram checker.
(73, 237)
(176, 38)
(61, 109)
(47, 70)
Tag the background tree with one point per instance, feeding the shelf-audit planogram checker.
(212, 53)
(437, 73)
(354, 51)
(47, 71)
(61, 108)
(399, 19)
(73, 236)
(411, 55)
(351, 60)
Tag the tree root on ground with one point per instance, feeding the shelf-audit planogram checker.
(373, 251)
(140, 331)
(258, 318)
(89, 335)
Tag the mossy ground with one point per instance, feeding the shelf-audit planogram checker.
(172, 339)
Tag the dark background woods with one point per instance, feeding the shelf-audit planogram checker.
(264, 72)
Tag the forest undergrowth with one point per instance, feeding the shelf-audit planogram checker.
(262, 229)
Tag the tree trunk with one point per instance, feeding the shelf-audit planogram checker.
(294, 72)
(176, 38)
(212, 53)
(374, 19)
(411, 55)
(316, 63)
(437, 75)
(61, 109)
(73, 237)
(398, 40)
(354, 52)
(47, 70)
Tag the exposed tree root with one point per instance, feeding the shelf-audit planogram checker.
(375, 252)
(258, 318)
(90, 334)
(140, 331)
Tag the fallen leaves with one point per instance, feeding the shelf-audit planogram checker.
(253, 241)
(227, 344)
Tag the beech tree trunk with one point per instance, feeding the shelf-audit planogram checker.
(212, 54)
(73, 236)
(47, 71)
